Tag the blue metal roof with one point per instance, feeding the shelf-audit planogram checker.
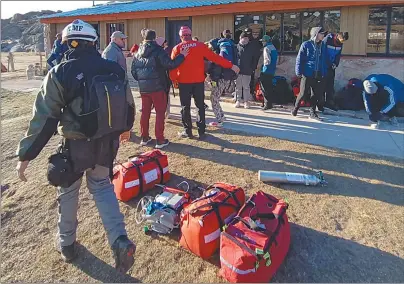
(140, 6)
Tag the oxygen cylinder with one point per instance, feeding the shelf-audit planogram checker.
(294, 178)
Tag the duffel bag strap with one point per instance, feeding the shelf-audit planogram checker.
(139, 173)
(156, 159)
(230, 193)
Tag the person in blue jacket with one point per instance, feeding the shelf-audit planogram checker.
(270, 55)
(311, 67)
(57, 51)
(334, 43)
(383, 97)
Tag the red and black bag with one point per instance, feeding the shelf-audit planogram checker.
(295, 83)
(203, 219)
(140, 174)
(255, 243)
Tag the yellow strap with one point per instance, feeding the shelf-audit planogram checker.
(109, 108)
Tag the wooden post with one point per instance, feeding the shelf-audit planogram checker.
(40, 61)
(10, 62)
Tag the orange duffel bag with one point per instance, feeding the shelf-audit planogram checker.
(140, 174)
(204, 218)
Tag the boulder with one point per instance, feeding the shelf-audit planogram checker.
(10, 31)
(17, 18)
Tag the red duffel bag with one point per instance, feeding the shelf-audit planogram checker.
(256, 241)
(140, 174)
(204, 218)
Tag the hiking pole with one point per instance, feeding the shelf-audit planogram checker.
(293, 178)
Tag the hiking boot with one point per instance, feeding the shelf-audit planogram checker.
(216, 124)
(184, 134)
(68, 253)
(314, 116)
(123, 250)
(162, 144)
(145, 141)
(237, 105)
(294, 111)
(247, 105)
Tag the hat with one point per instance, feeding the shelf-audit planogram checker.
(185, 30)
(243, 34)
(226, 32)
(118, 34)
(160, 40)
(370, 87)
(266, 38)
(248, 30)
(322, 31)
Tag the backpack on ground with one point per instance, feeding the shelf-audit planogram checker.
(203, 220)
(105, 108)
(140, 174)
(255, 243)
(350, 97)
(282, 94)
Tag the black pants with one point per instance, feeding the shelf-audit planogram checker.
(316, 92)
(267, 88)
(197, 90)
(252, 85)
(377, 102)
(329, 87)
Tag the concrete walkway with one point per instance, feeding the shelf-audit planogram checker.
(335, 131)
(342, 132)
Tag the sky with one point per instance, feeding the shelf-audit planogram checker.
(9, 8)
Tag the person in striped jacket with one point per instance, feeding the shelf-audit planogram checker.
(383, 97)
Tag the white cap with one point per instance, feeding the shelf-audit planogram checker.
(79, 29)
(118, 34)
(370, 87)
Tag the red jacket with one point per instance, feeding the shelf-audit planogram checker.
(192, 70)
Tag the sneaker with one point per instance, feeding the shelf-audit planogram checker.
(314, 116)
(294, 111)
(216, 124)
(375, 125)
(202, 136)
(162, 144)
(145, 141)
(68, 253)
(123, 250)
(394, 121)
(184, 134)
(247, 105)
(237, 105)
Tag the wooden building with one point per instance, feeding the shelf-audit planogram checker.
(375, 27)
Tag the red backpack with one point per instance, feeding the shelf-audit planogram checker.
(255, 243)
(295, 83)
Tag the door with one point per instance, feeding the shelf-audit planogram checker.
(173, 30)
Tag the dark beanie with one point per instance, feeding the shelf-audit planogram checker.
(150, 35)
(244, 34)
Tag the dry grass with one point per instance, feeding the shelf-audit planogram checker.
(349, 231)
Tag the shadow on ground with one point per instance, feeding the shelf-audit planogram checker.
(318, 257)
(98, 269)
(387, 188)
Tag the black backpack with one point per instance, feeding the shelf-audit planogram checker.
(350, 97)
(105, 108)
(282, 94)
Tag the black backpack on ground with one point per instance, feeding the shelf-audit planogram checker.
(282, 94)
(350, 97)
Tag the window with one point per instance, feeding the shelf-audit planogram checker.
(254, 22)
(397, 31)
(332, 21)
(273, 29)
(291, 32)
(310, 20)
(377, 36)
(113, 27)
(386, 31)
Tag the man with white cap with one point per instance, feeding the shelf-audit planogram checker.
(383, 97)
(113, 51)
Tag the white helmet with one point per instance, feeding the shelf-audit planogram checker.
(79, 30)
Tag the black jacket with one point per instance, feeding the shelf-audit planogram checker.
(246, 58)
(149, 68)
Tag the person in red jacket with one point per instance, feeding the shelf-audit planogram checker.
(190, 76)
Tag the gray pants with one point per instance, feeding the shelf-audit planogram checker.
(102, 189)
(243, 88)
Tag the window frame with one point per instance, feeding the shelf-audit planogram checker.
(108, 32)
(388, 33)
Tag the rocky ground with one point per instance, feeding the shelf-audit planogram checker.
(23, 32)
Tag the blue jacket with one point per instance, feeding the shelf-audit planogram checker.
(334, 49)
(392, 85)
(57, 47)
(312, 57)
(270, 59)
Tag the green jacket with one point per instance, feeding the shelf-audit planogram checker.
(59, 88)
